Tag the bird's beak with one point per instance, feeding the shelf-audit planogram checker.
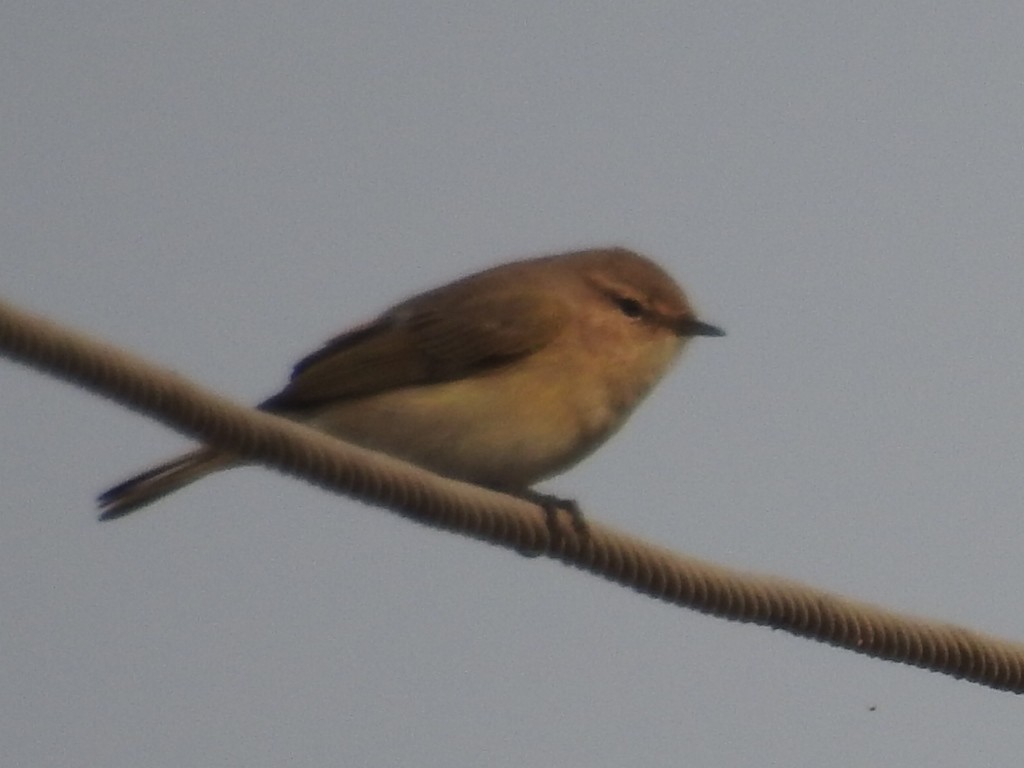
(691, 326)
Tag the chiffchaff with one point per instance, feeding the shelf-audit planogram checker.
(501, 378)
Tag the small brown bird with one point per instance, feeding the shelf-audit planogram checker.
(502, 378)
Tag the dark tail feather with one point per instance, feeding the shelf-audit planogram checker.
(147, 487)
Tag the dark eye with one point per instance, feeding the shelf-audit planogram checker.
(629, 307)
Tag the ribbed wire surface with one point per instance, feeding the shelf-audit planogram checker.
(504, 520)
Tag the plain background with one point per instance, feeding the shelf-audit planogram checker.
(222, 186)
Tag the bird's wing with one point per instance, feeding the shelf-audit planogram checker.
(431, 339)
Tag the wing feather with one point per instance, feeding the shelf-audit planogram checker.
(449, 334)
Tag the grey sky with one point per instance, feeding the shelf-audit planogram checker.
(222, 187)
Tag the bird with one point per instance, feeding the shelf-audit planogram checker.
(502, 378)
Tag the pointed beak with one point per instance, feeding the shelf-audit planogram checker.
(691, 326)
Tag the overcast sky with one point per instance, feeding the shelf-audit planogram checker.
(220, 187)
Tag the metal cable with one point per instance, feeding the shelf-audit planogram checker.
(504, 520)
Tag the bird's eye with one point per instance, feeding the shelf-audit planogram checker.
(629, 307)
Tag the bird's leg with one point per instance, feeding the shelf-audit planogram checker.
(551, 506)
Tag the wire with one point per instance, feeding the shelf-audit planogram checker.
(504, 520)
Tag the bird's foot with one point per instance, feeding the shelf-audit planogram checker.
(551, 506)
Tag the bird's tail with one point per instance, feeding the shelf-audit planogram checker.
(147, 487)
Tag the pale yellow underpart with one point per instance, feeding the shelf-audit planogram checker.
(511, 427)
